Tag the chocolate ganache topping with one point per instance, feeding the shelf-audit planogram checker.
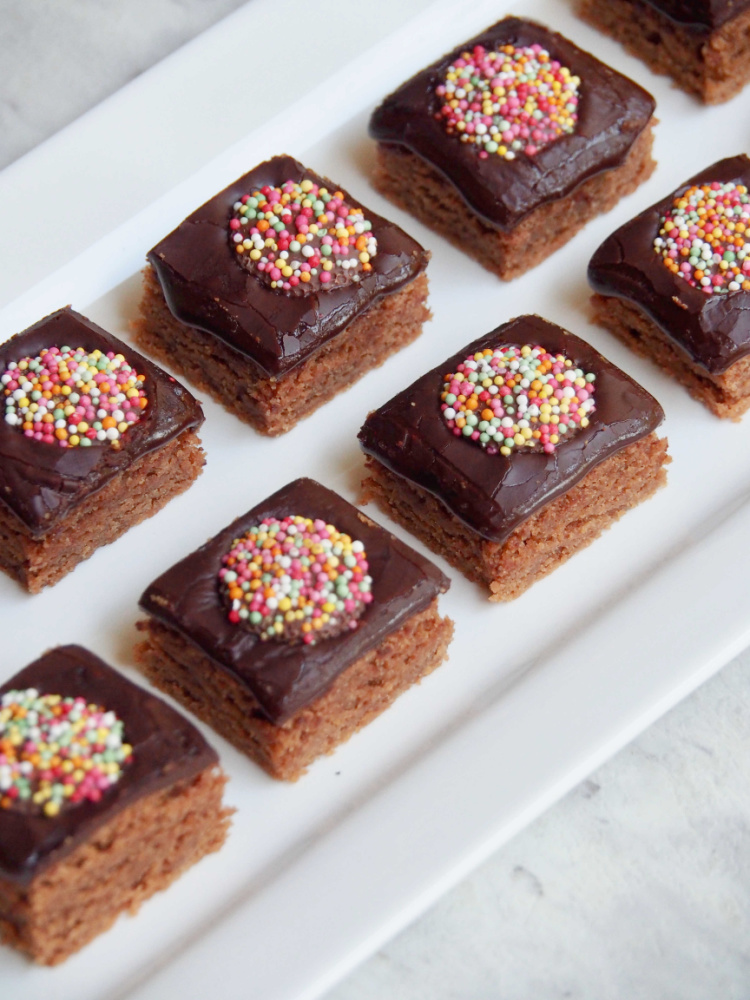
(711, 330)
(493, 493)
(207, 286)
(164, 749)
(602, 117)
(286, 676)
(41, 482)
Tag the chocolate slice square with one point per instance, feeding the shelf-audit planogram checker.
(507, 519)
(700, 337)
(701, 44)
(511, 182)
(106, 795)
(272, 350)
(64, 493)
(281, 699)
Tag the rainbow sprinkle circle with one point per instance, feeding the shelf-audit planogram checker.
(295, 580)
(301, 237)
(517, 397)
(56, 751)
(73, 397)
(513, 100)
(705, 238)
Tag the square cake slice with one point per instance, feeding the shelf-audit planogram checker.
(703, 45)
(511, 143)
(106, 796)
(294, 627)
(95, 439)
(515, 453)
(674, 284)
(280, 292)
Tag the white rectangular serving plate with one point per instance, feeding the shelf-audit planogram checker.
(536, 693)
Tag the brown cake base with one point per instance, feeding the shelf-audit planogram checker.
(139, 852)
(126, 500)
(544, 541)
(418, 188)
(274, 405)
(727, 395)
(357, 696)
(712, 66)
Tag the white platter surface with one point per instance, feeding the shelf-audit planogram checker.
(536, 693)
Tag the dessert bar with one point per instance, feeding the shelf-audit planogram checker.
(294, 627)
(674, 284)
(106, 796)
(702, 44)
(511, 143)
(95, 439)
(515, 453)
(280, 292)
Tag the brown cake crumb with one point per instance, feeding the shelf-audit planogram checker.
(125, 501)
(545, 540)
(727, 394)
(712, 63)
(140, 852)
(274, 404)
(360, 693)
(420, 189)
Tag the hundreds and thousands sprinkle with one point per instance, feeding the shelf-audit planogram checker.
(513, 100)
(295, 580)
(517, 397)
(73, 397)
(56, 752)
(705, 238)
(301, 237)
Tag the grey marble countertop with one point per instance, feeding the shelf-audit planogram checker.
(634, 885)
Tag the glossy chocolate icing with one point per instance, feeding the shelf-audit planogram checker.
(493, 494)
(703, 15)
(207, 287)
(612, 111)
(166, 749)
(285, 678)
(41, 483)
(711, 330)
